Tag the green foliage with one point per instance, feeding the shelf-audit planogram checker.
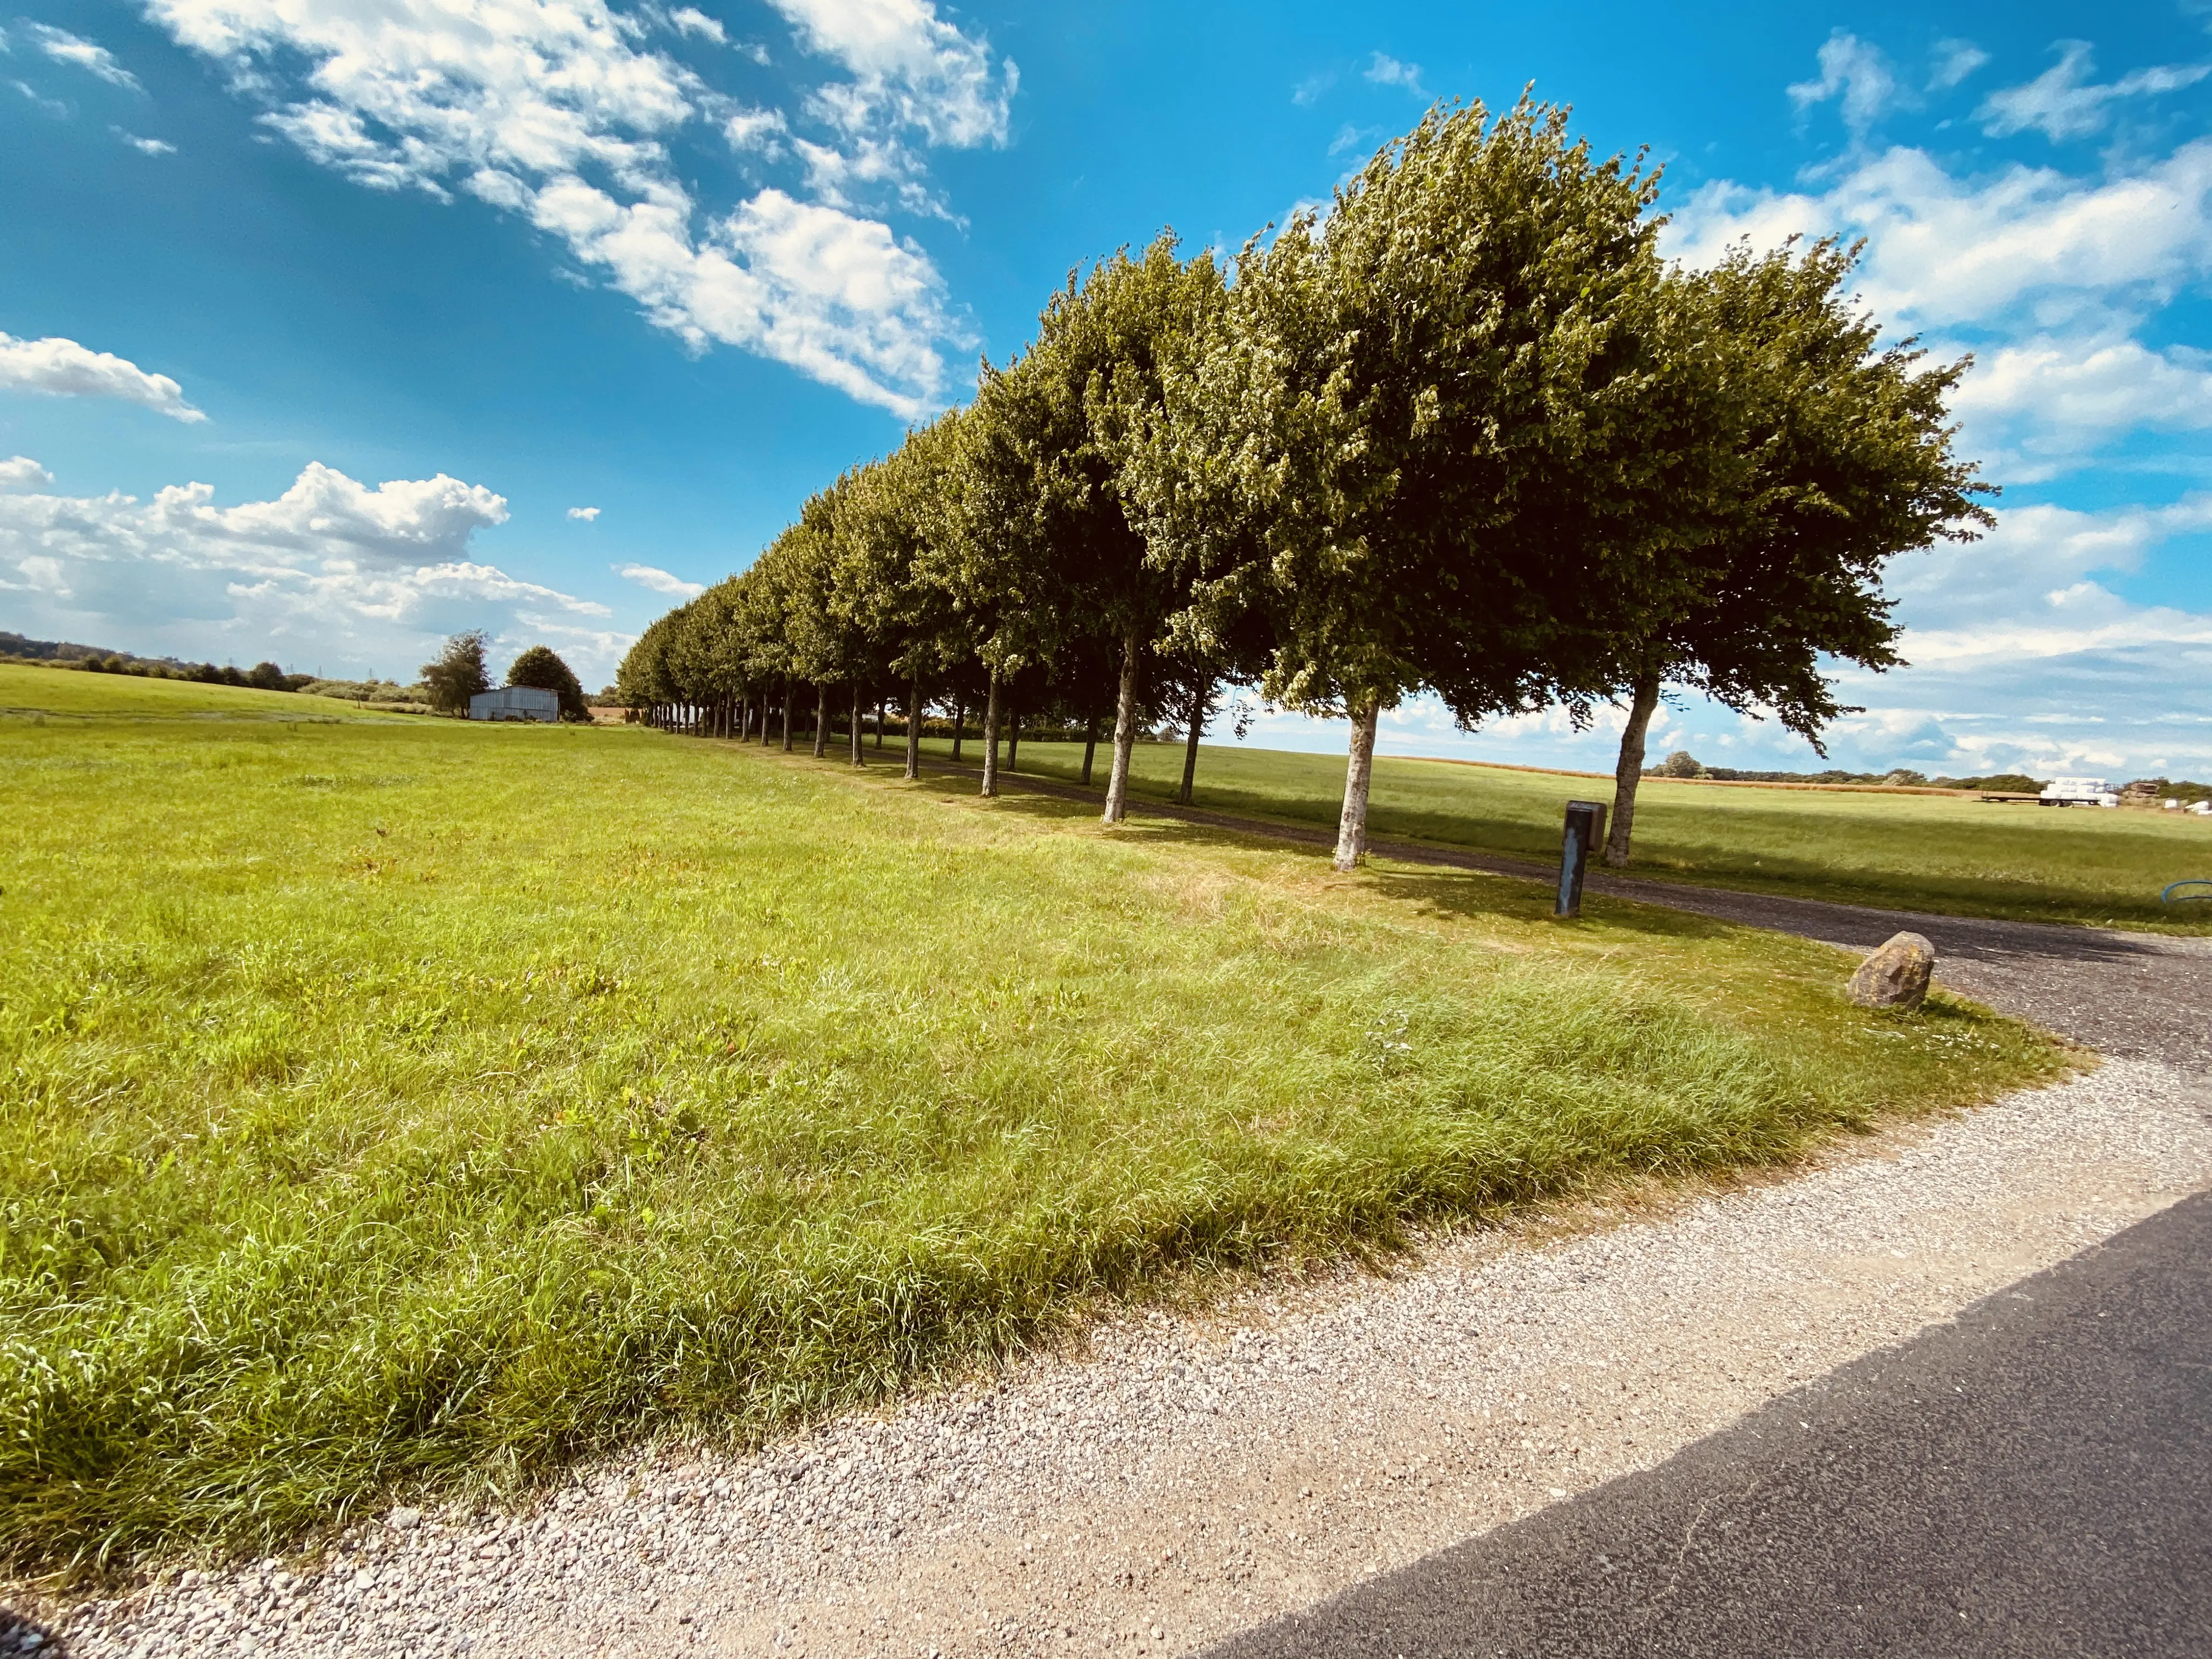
(458, 674)
(541, 666)
(431, 1105)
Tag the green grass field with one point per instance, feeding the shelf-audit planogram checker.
(401, 1106)
(1958, 857)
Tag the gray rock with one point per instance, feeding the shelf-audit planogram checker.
(1896, 976)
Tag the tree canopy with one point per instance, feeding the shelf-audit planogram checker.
(1465, 433)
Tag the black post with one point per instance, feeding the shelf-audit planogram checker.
(1585, 829)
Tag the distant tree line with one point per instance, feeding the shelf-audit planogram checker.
(97, 659)
(1467, 435)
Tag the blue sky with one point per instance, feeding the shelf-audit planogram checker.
(324, 318)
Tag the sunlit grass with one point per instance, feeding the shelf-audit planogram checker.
(392, 1106)
(1955, 856)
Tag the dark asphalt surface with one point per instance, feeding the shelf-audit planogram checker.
(2035, 1478)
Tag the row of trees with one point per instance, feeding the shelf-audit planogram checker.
(1466, 434)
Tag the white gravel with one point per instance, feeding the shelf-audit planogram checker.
(1181, 1479)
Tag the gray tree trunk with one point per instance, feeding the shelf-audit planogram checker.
(1090, 746)
(990, 739)
(1201, 703)
(879, 722)
(1358, 776)
(820, 720)
(1013, 737)
(859, 758)
(790, 697)
(959, 725)
(1125, 736)
(1628, 772)
(914, 732)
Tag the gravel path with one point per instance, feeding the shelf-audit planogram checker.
(1178, 1480)
(1184, 1478)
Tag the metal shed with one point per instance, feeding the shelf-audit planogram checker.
(515, 703)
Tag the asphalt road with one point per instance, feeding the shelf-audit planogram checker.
(2035, 1478)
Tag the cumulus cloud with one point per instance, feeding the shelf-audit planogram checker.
(557, 110)
(1954, 61)
(690, 20)
(21, 472)
(66, 48)
(1385, 70)
(333, 570)
(145, 146)
(587, 514)
(1944, 249)
(756, 130)
(63, 368)
(910, 69)
(2063, 103)
(2046, 404)
(1854, 74)
(661, 581)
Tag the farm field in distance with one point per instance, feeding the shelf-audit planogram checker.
(1961, 857)
(396, 1106)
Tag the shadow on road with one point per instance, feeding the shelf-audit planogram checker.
(2028, 1480)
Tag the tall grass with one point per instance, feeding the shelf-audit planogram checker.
(404, 1107)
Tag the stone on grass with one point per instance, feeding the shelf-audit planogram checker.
(1896, 976)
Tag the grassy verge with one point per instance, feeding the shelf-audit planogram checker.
(1957, 857)
(402, 1106)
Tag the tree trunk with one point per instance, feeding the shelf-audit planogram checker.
(859, 758)
(914, 732)
(1125, 736)
(1358, 774)
(1013, 737)
(959, 726)
(879, 722)
(990, 739)
(790, 695)
(1090, 746)
(1198, 700)
(1629, 772)
(821, 720)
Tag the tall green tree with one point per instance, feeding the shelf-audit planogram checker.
(458, 673)
(541, 667)
(1837, 457)
(1393, 393)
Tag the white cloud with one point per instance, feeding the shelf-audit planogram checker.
(756, 130)
(1309, 90)
(1385, 70)
(333, 571)
(52, 106)
(553, 109)
(66, 48)
(145, 146)
(1945, 250)
(21, 472)
(1954, 61)
(587, 514)
(910, 69)
(661, 581)
(690, 20)
(2038, 408)
(2062, 103)
(1855, 73)
(63, 368)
